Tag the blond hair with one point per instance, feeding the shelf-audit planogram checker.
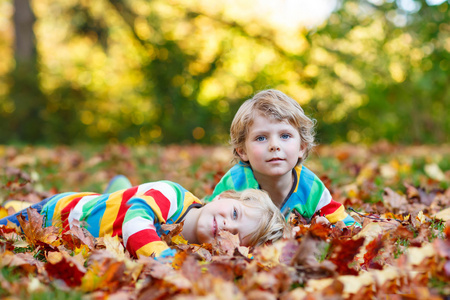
(272, 225)
(276, 105)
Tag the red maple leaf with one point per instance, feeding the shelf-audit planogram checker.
(373, 248)
(343, 253)
(66, 269)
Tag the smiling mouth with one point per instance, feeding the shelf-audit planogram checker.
(214, 227)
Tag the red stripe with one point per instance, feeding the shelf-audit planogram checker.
(140, 239)
(118, 222)
(330, 207)
(66, 211)
(161, 201)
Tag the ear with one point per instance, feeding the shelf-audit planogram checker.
(242, 154)
(302, 151)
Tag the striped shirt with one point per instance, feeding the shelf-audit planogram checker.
(135, 214)
(307, 196)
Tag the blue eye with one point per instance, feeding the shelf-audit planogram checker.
(261, 138)
(285, 136)
(235, 214)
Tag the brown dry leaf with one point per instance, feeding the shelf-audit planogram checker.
(25, 261)
(443, 215)
(107, 274)
(306, 252)
(174, 233)
(77, 236)
(226, 243)
(114, 246)
(34, 231)
(395, 202)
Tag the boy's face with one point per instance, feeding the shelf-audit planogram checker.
(272, 147)
(229, 215)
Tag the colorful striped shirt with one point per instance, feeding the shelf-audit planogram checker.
(135, 214)
(308, 195)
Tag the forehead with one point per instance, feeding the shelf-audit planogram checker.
(261, 122)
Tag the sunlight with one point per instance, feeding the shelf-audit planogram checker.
(294, 14)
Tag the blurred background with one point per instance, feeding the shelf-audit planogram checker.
(175, 71)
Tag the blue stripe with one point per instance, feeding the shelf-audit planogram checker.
(49, 209)
(299, 197)
(350, 221)
(94, 216)
(238, 175)
(306, 181)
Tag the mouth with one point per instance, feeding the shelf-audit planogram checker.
(275, 159)
(214, 230)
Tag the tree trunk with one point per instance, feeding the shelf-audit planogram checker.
(26, 122)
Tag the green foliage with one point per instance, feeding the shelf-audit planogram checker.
(141, 72)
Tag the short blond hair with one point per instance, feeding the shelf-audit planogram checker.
(272, 225)
(277, 105)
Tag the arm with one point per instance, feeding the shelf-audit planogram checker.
(140, 233)
(157, 203)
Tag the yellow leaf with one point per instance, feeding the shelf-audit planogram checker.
(443, 214)
(416, 255)
(421, 217)
(54, 257)
(178, 239)
(114, 246)
(3, 212)
(435, 172)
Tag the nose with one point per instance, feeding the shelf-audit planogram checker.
(230, 226)
(274, 146)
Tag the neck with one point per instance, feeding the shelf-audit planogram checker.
(278, 187)
(189, 231)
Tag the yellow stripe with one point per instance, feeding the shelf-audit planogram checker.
(338, 215)
(154, 247)
(62, 203)
(298, 170)
(152, 203)
(111, 212)
(189, 199)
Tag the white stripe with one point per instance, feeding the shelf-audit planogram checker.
(166, 189)
(135, 225)
(324, 200)
(77, 211)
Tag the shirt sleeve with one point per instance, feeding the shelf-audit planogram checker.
(335, 211)
(240, 177)
(140, 235)
(162, 202)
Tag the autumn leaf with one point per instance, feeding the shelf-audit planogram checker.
(402, 248)
(343, 253)
(77, 236)
(66, 268)
(35, 233)
(225, 243)
(372, 251)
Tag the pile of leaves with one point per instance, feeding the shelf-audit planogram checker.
(400, 195)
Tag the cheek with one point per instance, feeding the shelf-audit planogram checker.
(256, 150)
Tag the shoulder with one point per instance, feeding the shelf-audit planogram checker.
(305, 175)
(238, 178)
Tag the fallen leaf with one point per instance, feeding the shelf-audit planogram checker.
(65, 268)
(435, 172)
(443, 215)
(394, 201)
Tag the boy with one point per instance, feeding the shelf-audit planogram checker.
(136, 215)
(271, 137)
